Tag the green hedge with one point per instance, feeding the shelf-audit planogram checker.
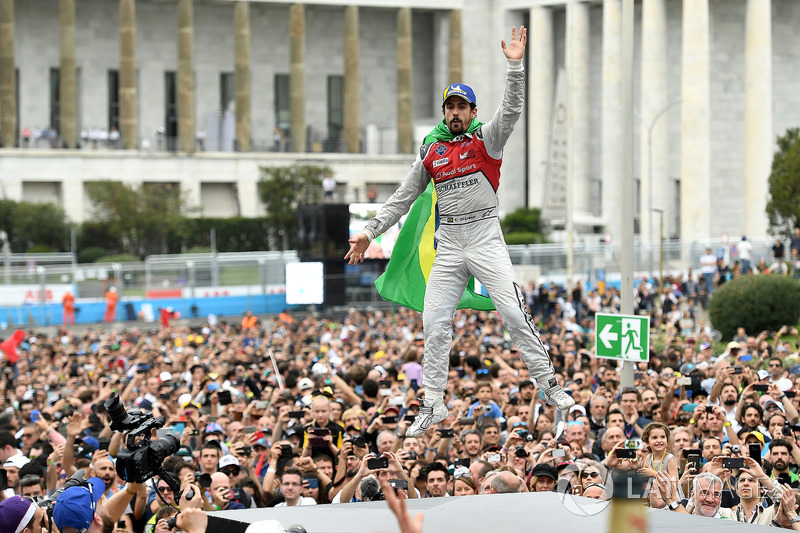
(524, 237)
(756, 303)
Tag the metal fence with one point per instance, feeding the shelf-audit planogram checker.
(256, 272)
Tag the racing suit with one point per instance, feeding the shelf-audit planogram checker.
(466, 174)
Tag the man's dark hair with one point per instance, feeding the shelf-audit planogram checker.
(212, 445)
(471, 432)
(780, 442)
(371, 388)
(631, 391)
(433, 467)
(7, 439)
(291, 470)
(613, 412)
(756, 407)
(473, 362)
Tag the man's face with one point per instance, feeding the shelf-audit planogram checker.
(598, 409)
(752, 418)
(616, 421)
(746, 486)
(12, 472)
(708, 498)
(472, 444)
(611, 438)
(458, 114)
(436, 484)
(729, 395)
(39, 520)
(649, 399)
(104, 469)
(32, 491)
(574, 432)
(325, 467)
(628, 403)
(209, 458)
(385, 441)
(780, 458)
(776, 369)
(682, 441)
(411, 444)
(291, 486)
(526, 393)
(491, 435)
(152, 386)
(711, 449)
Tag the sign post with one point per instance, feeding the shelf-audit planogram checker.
(622, 337)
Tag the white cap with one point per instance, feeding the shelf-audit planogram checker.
(305, 384)
(228, 460)
(580, 408)
(165, 376)
(17, 461)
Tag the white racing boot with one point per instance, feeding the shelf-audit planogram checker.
(555, 395)
(427, 417)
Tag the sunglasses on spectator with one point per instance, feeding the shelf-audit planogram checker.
(518, 424)
(578, 422)
(590, 474)
(164, 488)
(231, 471)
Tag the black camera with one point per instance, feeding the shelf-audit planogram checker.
(142, 458)
(521, 452)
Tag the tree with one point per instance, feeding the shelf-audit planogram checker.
(282, 190)
(783, 205)
(144, 218)
(523, 226)
(29, 225)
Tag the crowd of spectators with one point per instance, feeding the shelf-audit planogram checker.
(308, 411)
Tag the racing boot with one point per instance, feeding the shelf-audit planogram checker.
(555, 395)
(430, 414)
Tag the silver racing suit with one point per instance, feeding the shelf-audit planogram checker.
(466, 175)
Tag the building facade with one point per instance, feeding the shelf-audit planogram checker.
(202, 93)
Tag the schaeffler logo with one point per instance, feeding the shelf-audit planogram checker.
(570, 477)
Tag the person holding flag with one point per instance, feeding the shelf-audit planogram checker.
(459, 165)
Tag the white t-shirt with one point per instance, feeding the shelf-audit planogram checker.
(303, 501)
(744, 250)
(708, 263)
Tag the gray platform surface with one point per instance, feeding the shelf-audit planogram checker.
(496, 513)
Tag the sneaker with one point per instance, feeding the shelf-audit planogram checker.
(427, 417)
(555, 395)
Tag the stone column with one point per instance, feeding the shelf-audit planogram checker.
(758, 142)
(541, 59)
(695, 123)
(8, 91)
(653, 100)
(455, 69)
(297, 76)
(610, 113)
(68, 99)
(578, 74)
(405, 139)
(351, 85)
(241, 76)
(127, 74)
(186, 131)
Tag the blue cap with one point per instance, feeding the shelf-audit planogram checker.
(459, 89)
(214, 428)
(91, 441)
(76, 505)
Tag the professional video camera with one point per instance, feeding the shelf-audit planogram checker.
(142, 459)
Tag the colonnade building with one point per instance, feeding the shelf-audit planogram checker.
(201, 93)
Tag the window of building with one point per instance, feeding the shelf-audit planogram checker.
(282, 104)
(55, 100)
(170, 104)
(113, 99)
(335, 106)
(227, 91)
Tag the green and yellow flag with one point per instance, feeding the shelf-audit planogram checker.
(408, 270)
